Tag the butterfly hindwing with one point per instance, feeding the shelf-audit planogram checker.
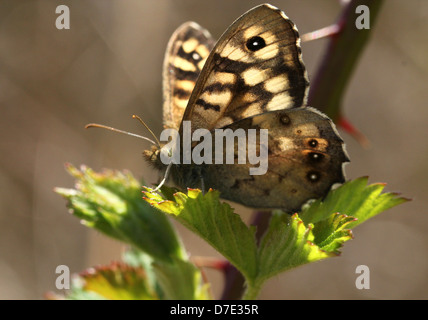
(305, 158)
(185, 56)
(255, 67)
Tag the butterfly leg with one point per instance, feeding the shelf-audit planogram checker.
(164, 178)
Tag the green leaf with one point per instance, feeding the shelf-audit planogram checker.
(117, 281)
(354, 198)
(286, 244)
(139, 259)
(216, 223)
(176, 280)
(289, 241)
(330, 233)
(181, 280)
(112, 203)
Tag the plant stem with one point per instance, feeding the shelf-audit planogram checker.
(344, 48)
(234, 283)
(252, 291)
(234, 280)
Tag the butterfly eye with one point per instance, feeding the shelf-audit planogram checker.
(313, 176)
(256, 43)
(285, 120)
(313, 143)
(313, 156)
(196, 56)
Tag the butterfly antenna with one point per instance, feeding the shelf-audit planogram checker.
(164, 178)
(148, 129)
(96, 125)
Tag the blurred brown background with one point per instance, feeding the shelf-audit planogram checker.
(108, 67)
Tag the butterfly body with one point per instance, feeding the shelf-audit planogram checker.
(253, 78)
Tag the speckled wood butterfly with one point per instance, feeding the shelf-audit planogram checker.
(252, 78)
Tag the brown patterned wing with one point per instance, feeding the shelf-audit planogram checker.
(185, 56)
(306, 157)
(255, 67)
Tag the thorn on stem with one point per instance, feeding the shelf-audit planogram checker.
(328, 31)
(210, 262)
(354, 132)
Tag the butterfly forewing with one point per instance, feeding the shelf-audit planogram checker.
(255, 67)
(185, 56)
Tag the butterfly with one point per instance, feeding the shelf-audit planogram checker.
(253, 77)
